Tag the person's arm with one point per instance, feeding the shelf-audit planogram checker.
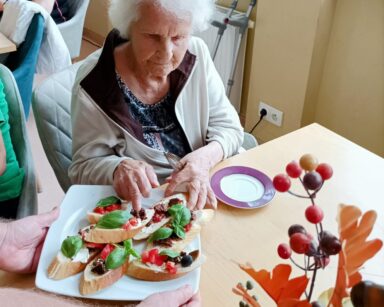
(224, 137)
(224, 124)
(16, 297)
(94, 159)
(19, 297)
(3, 155)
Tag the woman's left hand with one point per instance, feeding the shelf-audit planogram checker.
(194, 173)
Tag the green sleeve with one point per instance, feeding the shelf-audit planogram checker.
(2, 119)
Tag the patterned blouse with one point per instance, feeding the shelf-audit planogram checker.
(161, 130)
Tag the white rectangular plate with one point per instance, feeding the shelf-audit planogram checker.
(78, 200)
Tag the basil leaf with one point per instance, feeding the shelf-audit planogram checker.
(185, 216)
(181, 214)
(179, 231)
(170, 253)
(162, 233)
(116, 258)
(114, 219)
(129, 249)
(71, 246)
(175, 209)
(105, 202)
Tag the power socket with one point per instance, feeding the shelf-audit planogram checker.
(274, 116)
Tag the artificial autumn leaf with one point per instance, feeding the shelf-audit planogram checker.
(278, 285)
(291, 302)
(355, 249)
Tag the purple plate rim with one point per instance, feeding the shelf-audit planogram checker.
(269, 190)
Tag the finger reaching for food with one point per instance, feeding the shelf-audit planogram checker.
(133, 180)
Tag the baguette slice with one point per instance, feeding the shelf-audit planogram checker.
(92, 283)
(148, 230)
(139, 270)
(116, 235)
(94, 217)
(62, 267)
(202, 217)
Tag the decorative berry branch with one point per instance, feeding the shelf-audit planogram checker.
(316, 250)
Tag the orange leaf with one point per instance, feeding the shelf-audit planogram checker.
(294, 303)
(277, 284)
(355, 249)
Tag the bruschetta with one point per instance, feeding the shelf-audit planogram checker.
(107, 268)
(116, 226)
(72, 258)
(155, 265)
(104, 206)
(160, 216)
(181, 230)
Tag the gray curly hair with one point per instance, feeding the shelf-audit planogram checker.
(123, 12)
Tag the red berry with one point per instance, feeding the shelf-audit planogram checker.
(282, 183)
(296, 228)
(312, 180)
(293, 169)
(314, 214)
(284, 251)
(299, 243)
(329, 244)
(325, 171)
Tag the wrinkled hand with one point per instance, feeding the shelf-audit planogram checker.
(182, 296)
(134, 179)
(23, 240)
(194, 173)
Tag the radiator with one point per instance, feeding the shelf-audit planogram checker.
(225, 54)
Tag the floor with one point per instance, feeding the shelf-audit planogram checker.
(51, 193)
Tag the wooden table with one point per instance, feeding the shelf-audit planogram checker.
(237, 235)
(253, 235)
(6, 45)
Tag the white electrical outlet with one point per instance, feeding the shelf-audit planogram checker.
(274, 116)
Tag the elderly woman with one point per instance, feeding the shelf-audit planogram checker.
(152, 89)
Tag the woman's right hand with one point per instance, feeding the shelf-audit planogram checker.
(133, 179)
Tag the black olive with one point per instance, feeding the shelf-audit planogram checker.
(186, 260)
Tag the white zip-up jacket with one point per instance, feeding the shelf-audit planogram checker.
(104, 134)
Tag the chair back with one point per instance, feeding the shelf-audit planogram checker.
(28, 198)
(249, 141)
(51, 104)
(22, 63)
(72, 30)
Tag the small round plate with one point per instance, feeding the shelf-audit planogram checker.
(242, 187)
